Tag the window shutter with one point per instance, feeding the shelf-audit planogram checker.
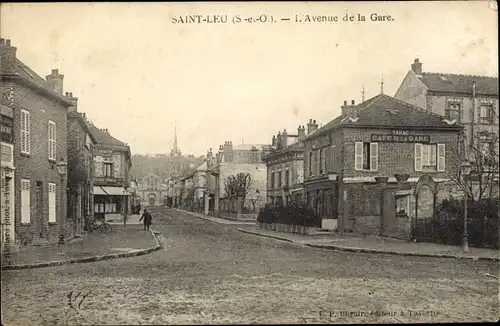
(418, 157)
(25, 201)
(52, 202)
(373, 156)
(54, 140)
(28, 132)
(332, 158)
(441, 153)
(358, 156)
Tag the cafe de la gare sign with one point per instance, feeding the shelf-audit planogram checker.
(400, 136)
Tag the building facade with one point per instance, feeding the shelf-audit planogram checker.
(379, 138)
(40, 130)
(469, 100)
(243, 158)
(152, 192)
(80, 168)
(112, 163)
(285, 166)
(7, 184)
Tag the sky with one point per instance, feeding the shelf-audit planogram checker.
(139, 75)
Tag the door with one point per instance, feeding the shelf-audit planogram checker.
(39, 216)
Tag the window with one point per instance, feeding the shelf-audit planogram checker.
(52, 140)
(487, 148)
(316, 162)
(452, 111)
(279, 179)
(25, 201)
(366, 156)
(321, 161)
(403, 205)
(108, 169)
(310, 163)
(486, 115)
(430, 157)
(287, 178)
(332, 158)
(25, 132)
(272, 180)
(52, 202)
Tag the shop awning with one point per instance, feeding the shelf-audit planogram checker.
(110, 191)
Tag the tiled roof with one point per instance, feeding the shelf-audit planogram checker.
(83, 123)
(385, 111)
(248, 147)
(26, 73)
(104, 138)
(460, 83)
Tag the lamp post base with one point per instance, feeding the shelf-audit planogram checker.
(60, 245)
(465, 243)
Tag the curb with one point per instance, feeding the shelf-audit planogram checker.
(139, 252)
(373, 251)
(203, 217)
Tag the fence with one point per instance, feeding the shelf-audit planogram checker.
(447, 227)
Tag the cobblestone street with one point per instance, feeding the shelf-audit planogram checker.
(211, 273)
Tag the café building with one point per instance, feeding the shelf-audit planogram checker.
(379, 138)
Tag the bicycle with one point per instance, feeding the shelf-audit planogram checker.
(100, 225)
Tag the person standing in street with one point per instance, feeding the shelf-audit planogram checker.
(148, 219)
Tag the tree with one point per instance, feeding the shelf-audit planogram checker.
(238, 185)
(483, 156)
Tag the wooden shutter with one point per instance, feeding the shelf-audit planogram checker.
(358, 156)
(441, 157)
(52, 140)
(117, 166)
(418, 157)
(52, 202)
(373, 156)
(25, 201)
(332, 158)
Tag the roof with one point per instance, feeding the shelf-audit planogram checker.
(104, 138)
(21, 70)
(82, 122)
(386, 111)
(249, 147)
(202, 167)
(459, 83)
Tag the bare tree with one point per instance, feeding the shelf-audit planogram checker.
(238, 185)
(484, 158)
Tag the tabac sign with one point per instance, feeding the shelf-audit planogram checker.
(400, 136)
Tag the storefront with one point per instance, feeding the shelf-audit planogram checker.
(110, 200)
(8, 238)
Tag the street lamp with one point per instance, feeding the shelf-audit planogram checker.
(62, 168)
(465, 169)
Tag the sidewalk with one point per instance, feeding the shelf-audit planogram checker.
(373, 244)
(121, 242)
(214, 219)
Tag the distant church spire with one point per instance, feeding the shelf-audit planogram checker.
(175, 149)
(382, 86)
(363, 93)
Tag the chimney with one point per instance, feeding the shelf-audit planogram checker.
(417, 67)
(301, 133)
(55, 80)
(349, 110)
(7, 55)
(274, 141)
(228, 151)
(73, 100)
(284, 139)
(311, 126)
(278, 140)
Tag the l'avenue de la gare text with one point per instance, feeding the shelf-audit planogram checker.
(374, 17)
